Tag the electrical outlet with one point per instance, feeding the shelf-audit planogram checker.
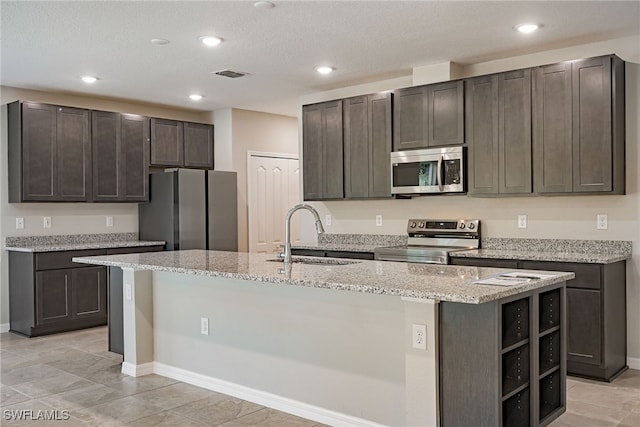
(46, 222)
(379, 220)
(327, 219)
(602, 222)
(204, 325)
(109, 221)
(419, 336)
(522, 221)
(19, 223)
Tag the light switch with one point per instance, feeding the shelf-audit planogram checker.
(46, 222)
(19, 223)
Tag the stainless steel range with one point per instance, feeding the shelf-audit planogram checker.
(432, 240)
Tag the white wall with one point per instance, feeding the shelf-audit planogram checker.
(67, 218)
(549, 217)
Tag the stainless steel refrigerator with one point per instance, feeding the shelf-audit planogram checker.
(191, 209)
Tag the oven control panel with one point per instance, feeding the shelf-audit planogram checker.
(439, 226)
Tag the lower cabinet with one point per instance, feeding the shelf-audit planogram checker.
(49, 293)
(504, 361)
(596, 313)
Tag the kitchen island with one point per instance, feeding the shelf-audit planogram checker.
(349, 342)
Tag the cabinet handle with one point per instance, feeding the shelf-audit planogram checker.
(581, 355)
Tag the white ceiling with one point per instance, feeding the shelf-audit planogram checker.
(49, 45)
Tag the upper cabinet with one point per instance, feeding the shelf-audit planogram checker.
(322, 147)
(428, 116)
(367, 145)
(181, 144)
(498, 126)
(49, 153)
(120, 152)
(579, 127)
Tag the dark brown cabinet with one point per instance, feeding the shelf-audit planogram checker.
(367, 145)
(120, 157)
(596, 313)
(504, 361)
(49, 153)
(181, 144)
(579, 127)
(49, 293)
(428, 116)
(498, 124)
(322, 146)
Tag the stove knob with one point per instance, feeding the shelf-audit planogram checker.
(472, 226)
(462, 225)
(421, 225)
(412, 224)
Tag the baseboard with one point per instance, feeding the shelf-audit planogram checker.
(4, 327)
(263, 398)
(137, 370)
(633, 362)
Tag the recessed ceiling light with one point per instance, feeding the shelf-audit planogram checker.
(527, 28)
(210, 40)
(89, 79)
(264, 5)
(195, 97)
(323, 69)
(160, 42)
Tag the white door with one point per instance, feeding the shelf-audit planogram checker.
(273, 189)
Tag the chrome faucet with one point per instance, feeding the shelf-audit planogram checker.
(287, 228)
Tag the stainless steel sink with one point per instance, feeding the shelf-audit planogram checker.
(317, 261)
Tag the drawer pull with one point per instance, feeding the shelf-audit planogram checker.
(581, 355)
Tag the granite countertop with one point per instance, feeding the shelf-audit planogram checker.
(74, 242)
(558, 250)
(423, 281)
(579, 257)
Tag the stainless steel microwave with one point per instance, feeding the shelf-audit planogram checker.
(427, 171)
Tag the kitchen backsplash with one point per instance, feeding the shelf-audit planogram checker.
(363, 239)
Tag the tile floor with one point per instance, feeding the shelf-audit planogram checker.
(76, 375)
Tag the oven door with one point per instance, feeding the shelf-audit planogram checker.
(438, 170)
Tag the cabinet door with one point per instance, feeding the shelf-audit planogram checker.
(552, 129)
(482, 134)
(105, 138)
(73, 154)
(333, 151)
(167, 143)
(584, 318)
(446, 113)
(379, 117)
(89, 292)
(514, 136)
(410, 118)
(198, 146)
(39, 169)
(592, 144)
(356, 148)
(312, 152)
(53, 296)
(134, 158)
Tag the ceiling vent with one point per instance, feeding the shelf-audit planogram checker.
(231, 74)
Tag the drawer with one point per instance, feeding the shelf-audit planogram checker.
(349, 254)
(55, 260)
(134, 250)
(587, 275)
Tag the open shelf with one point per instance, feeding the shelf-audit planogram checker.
(549, 331)
(548, 371)
(515, 322)
(516, 411)
(550, 387)
(515, 369)
(550, 349)
(516, 345)
(549, 310)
